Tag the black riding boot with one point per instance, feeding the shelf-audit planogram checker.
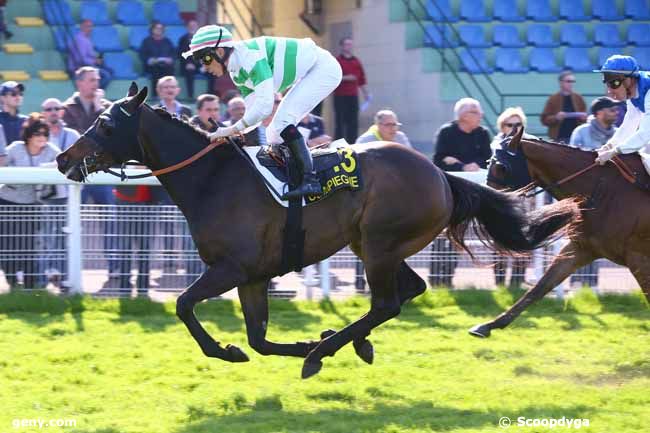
(310, 184)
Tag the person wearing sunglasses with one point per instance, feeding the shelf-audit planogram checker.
(625, 82)
(564, 110)
(385, 128)
(11, 96)
(60, 135)
(262, 66)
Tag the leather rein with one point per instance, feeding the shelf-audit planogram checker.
(626, 172)
(123, 176)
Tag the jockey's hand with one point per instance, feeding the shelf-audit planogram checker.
(605, 155)
(225, 131)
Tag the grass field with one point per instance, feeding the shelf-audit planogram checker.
(117, 366)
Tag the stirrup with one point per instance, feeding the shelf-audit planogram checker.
(306, 188)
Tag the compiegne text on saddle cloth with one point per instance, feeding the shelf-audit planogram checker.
(336, 169)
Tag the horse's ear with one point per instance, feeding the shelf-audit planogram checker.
(515, 139)
(135, 102)
(133, 89)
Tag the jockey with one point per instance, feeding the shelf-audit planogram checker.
(260, 67)
(626, 83)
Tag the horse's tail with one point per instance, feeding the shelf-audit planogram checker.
(500, 220)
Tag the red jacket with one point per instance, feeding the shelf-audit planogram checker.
(350, 65)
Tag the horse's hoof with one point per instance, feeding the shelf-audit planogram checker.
(327, 333)
(311, 368)
(236, 354)
(480, 331)
(365, 351)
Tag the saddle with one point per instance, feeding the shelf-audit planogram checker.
(336, 168)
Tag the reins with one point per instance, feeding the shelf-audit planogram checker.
(625, 171)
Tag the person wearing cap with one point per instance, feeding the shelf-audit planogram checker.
(260, 67)
(385, 128)
(625, 82)
(600, 126)
(11, 95)
(60, 135)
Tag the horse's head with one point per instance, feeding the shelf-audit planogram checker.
(508, 167)
(112, 139)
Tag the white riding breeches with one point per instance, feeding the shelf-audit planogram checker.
(321, 80)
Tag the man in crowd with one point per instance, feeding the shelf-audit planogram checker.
(157, 53)
(236, 110)
(346, 95)
(189, 67)
(207, 108)
(87, 103)
(461, 145)
(11, 96)
(81, 52)
(167, 89)
(564, 110)
(385, 128)
(60, 135)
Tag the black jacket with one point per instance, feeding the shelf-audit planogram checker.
(466, 147)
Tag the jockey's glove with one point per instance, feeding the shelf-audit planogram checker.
(225, 131)
(606, 155)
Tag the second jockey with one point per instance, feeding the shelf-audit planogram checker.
(260, 67)
(625, 82)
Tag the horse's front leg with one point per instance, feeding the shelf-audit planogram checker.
(569, 259)
(255, 306)
(217, 279)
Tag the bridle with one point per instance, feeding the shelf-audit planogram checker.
(92, 159)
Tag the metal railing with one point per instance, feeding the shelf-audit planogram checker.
(122, 250)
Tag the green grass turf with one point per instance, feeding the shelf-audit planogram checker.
(117, 366)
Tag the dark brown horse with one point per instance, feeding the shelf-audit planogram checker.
(237, 226)
(615, 221)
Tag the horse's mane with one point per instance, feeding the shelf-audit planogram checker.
(161, 112)
(564, 145)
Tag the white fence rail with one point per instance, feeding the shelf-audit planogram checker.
(103, 241)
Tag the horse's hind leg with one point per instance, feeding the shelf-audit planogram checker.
(217, 279)
(639, 265)
(564, 265)
(385, 304)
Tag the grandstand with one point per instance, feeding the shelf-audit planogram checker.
(36, 55)
(508, 52)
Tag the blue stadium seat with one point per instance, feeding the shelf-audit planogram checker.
(639, 34)
(605, 10)
(440, 35)
(509, 60)
(63, 37)
(605, 53)
(637, 9)
(95, 11)
(473, 36)
(130, 13)
(540, 11)
(541, 35)
(166, 11)
(440, 11)
(642, 56)
(607, 35)
(57, 12)
(137, 35)
(174, 33)
(473, 11)
(506, 10)
(106, 38)
(574, 35)
(573, 10)
(122, 66)
(543, 60)
(577, 59)
(474, 60)
(506, 35)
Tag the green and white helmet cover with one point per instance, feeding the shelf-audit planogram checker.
(208, 36)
